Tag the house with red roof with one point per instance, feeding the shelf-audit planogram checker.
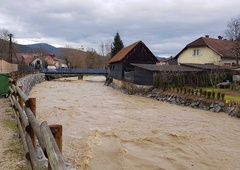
(52, 61)
(138, 53)
(206, 50)
(36, 61)
(32, 60)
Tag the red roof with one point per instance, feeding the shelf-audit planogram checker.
(123, 53)
(53, 57)
(224, 48)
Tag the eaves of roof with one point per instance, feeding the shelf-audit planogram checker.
(123, 52)
(167, 68)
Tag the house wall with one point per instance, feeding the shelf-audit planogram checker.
(138, 77)
(140, 55)
(34, 63)
(228, 62)
(206, 56)
(116, 70)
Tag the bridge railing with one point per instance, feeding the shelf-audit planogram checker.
(31, 131)
(76, 71)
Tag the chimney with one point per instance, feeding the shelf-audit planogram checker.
(207, 36)
(220, 37)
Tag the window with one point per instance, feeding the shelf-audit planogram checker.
(196, 52)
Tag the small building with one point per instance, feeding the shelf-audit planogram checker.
(32, 60)
(164, 74)
(52, 61)
(120, 65)
(206, 50)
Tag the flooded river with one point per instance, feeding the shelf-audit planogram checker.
(104, 129)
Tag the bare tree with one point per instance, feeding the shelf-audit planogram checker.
(8, 47)
(104, 49)
(4, 44)
(233, 33)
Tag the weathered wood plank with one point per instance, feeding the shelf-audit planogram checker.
(53, 153)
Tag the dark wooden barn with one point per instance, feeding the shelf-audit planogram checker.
(120, 64)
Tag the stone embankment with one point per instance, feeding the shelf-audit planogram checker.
(29, 81)
(197, 103)
(177, 98)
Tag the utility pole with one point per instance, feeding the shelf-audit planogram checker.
(10, 47)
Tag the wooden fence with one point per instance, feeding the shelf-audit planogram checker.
(31, 131)
(7, 67)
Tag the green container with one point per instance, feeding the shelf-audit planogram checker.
(4, 84)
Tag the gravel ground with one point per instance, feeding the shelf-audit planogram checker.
(11, 148)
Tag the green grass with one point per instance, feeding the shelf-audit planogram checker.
(235, 98)
(10, 124)
(8, 110)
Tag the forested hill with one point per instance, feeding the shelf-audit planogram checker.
(36, 48)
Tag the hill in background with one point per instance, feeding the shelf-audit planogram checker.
(36, 48)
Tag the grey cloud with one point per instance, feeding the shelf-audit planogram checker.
(165, 26)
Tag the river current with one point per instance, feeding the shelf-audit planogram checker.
(104, 129)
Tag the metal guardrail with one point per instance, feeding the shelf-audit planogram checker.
(49, 137)
(75, 71)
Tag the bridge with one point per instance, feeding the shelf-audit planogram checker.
(69, 72)
(75, 71)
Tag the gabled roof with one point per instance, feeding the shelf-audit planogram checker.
(53, 57)
(25, 58)
(223, 48)
(125, 51)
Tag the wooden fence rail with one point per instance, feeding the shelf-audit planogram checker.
(49, 137)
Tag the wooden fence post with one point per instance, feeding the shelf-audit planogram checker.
(20, 99)
(32, 105)
(57, 134)
(53, 153)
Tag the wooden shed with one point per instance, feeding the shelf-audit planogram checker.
(138, 52)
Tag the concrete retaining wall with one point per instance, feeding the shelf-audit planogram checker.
(29, 81)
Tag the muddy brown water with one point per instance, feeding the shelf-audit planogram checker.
(104, 129)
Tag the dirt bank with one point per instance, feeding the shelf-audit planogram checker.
(11, 149)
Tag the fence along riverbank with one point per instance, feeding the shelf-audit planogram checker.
(49, 137)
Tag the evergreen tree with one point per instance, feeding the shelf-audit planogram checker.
(117, 45)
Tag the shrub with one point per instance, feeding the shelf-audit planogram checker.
(192, 92)
(169, 87)
(204, 93)
(185, 90)
(200, 92)
(218, 95)
(189, 91)
(196, 92)
(173, 87)
(177, 89)
(181, 89)
(213, 94)
(222, 96)
(209, 94)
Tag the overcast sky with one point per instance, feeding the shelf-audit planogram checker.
(165, 26)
